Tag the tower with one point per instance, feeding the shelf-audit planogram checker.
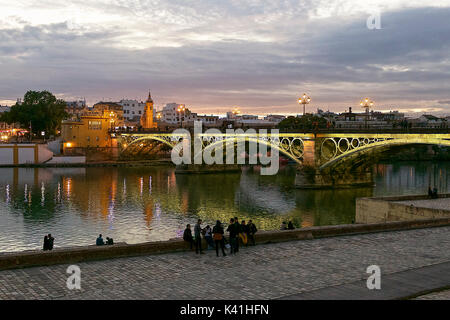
(147, 117)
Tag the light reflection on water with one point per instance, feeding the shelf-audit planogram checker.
(147, 204)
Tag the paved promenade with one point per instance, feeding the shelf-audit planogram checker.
(269, 271)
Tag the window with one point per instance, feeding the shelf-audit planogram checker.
(95, 125)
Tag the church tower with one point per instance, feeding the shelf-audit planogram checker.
(147, 117)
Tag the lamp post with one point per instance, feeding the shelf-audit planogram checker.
(366, 103)
(181, 109)
(304, 100)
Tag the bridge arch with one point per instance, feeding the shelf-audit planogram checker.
(289, 149)
(381, 145)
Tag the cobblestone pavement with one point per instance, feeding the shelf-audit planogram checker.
(261, 272)
(443, 295)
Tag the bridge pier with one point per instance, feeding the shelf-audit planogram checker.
(309, 176)
(314, 178)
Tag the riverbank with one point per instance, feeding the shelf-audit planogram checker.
(266, 271)
(141, 163)
(119, 250)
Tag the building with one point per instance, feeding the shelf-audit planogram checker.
(132, 109)
(428, 121)
(75, 108)
(147, 117)
(275, 118)
(176, 114)
(115, 111)
(90, 131)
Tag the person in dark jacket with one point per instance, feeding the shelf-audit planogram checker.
(50, 241)
(45, 243)
(99, 241)
(198, 237)
(290, 226)
(218, 237)
(207, 234)
(238, 230)
(251, 231)
(243, 235)
(187, 236)
(233, 236)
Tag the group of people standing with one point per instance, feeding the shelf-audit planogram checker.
(239, 233)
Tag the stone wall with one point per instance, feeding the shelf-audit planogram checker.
(88, 253)
(385, 209)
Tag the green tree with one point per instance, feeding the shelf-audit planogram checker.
(306, 122)
(41, 109)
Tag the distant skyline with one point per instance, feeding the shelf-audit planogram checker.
(258, 55)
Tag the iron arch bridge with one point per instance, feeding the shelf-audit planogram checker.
(319, 150)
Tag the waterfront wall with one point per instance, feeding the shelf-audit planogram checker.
(89, 253)
(385, 209)
(17, 154)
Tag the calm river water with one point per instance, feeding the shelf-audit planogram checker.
(153, 203)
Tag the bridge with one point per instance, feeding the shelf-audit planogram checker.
(324, 159)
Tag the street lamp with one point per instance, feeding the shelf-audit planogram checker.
(181, 109)
(304, 100)
(366, 103)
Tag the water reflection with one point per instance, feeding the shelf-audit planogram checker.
(147, 204)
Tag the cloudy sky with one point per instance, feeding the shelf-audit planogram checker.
(214, 55)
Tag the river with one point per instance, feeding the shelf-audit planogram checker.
(139, 204)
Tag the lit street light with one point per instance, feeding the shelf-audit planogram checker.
(181, 109)
(304, 100)
(366, 104)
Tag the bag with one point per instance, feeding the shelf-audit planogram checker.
(217, 236)
(243, 237)
(227, 246)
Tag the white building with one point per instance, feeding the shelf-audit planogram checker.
(132, 109)
(170, 114)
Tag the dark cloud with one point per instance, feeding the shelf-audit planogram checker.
(255, 65)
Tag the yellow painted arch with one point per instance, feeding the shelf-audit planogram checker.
(246, 138)
(393, 142)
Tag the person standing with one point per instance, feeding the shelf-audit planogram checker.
(198, 237)
(218, 238)
(208, 237)
(238, 231)
(187, 236)
(251, 231)
(233, 236)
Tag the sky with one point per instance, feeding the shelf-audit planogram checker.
(215, 55)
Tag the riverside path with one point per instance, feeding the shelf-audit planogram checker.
(269, 271)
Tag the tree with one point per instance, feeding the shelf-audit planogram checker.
(41, 109)
(306, 122)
